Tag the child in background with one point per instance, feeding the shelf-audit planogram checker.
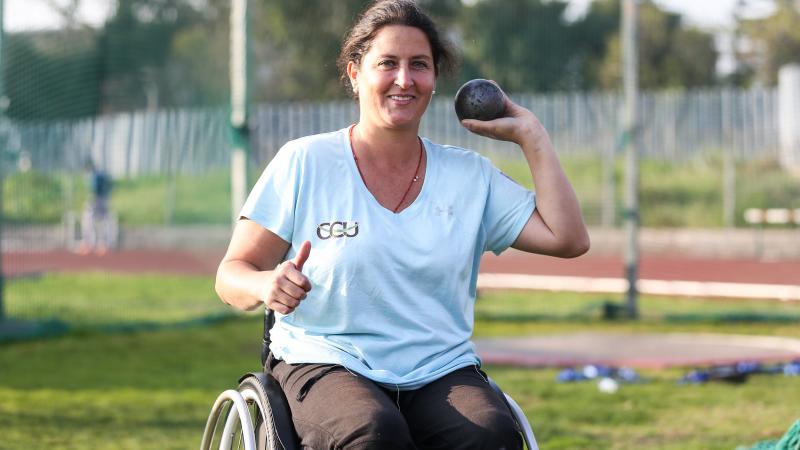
(95, 221)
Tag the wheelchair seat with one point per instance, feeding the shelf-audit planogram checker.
(257, 414)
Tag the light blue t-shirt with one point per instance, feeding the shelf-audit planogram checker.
(392, 295)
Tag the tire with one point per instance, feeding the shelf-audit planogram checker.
(272, 424)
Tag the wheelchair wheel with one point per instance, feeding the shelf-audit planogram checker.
(270, 412)
(256, 397)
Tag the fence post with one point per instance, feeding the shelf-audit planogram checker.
(728, 162)
(3, 104)
(789, 116)
(239, 105)
(631, 131)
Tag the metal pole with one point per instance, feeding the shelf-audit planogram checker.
(728, 164)
(609, 211)
(3, 105)
(631, 86)
(240, 139)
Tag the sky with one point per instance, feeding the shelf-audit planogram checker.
(713, 15)
(36, 14)
(716, 16)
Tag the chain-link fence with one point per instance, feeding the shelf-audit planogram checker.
(174, 156)
(143, 97)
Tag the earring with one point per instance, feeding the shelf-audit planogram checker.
(434, 91)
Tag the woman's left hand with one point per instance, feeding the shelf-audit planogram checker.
(518, 125)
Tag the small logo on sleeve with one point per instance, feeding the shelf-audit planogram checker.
(327, 230)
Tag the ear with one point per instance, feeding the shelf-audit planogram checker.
(352, 72)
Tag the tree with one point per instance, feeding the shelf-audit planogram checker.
(592, 35)
(51, 75)
(764, 45)
(525, 45)
(198, 67)
(296, 44)
(670, 55)
(136, 43)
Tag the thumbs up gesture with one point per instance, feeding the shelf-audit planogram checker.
(288, 286)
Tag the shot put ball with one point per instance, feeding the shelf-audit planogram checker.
(479, 99)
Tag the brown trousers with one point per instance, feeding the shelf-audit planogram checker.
(333, 408)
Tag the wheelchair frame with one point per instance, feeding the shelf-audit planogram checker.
(272, 427)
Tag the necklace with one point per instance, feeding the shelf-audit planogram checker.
(410, 183)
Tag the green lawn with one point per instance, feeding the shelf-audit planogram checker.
(104, 299)
(153, 389)
(688, 194)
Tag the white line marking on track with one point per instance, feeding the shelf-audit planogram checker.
(783, 292)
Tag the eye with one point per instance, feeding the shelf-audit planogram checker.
(386, 63)
(420, 64)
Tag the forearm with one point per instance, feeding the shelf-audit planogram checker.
(241, 284)
(556, 227)
(556, 201)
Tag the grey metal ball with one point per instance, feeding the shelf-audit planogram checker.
(479, 99)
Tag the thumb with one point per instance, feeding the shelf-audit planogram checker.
(476, 126)
(302, 255)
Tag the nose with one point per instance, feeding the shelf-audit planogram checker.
(404, 79)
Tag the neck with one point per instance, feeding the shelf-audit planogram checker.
(386, 147)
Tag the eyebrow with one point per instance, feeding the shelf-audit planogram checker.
(388, 55)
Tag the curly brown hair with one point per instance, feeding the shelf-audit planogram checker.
(381, 13)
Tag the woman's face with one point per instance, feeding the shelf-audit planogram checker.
(396, 78)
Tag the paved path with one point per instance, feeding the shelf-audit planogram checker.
(639, 350)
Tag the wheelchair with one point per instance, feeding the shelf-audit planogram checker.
(256, 415)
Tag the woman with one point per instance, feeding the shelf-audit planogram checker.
(366, 243)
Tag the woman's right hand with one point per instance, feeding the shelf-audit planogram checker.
(288, 286)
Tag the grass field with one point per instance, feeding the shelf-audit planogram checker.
(153, 388)
(103, 299)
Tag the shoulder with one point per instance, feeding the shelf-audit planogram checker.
(315, 143)
(458, 158)
(312, 149)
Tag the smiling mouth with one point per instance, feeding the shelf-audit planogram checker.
(401, 97)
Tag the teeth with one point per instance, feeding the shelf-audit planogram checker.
(401, 97)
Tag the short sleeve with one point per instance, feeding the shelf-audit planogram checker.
(508, 208)
(271, 203)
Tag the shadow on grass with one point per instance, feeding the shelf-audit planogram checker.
(19, 330)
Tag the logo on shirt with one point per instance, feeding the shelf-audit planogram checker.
(443, 210)
(327, 230)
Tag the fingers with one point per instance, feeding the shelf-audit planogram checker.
(293, 284)
(496, 129)
(518, 125)
(287, 289)
(288, 286)
(302, 255)
(282, 302)
(296, 278)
